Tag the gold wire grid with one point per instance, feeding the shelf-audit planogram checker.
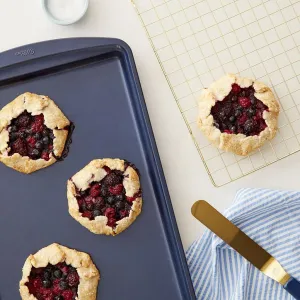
(197, 41)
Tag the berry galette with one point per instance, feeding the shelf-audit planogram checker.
(33, 133)
(59, 273)
(105, 196)
(238, 114)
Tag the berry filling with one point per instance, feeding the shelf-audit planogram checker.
(240, 112)
(107, 198)
(54, 282)
(29, 136)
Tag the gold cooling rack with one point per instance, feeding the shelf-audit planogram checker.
(197, 41)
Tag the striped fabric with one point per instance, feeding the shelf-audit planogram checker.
(271, 218)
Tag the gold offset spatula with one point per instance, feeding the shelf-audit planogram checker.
(245, 246)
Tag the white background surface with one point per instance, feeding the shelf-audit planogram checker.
(24, 22)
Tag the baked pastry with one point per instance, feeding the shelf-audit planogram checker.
(59, 273)
(238, 114)
(105, 196)
(33, 133)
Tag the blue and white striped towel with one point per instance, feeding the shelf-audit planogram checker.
(272, 219)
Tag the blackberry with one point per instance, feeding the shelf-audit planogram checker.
(47, 275)
(35, 153)
(23, 120)
(252, 99)
(13, 136)
(63, 285)
(46, 283)
(232, 119)
(112, 179)
(46, 140)
(249, 126)
(110, 200)
(104, 190)
(120, 205)
(89, 206)
(57, 273)
(13, 128)
(22, 135)
(39, 145)
(37, 136)
(119, 197)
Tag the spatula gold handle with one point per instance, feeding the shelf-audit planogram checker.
(239, 241)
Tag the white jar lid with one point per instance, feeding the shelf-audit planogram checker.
(65, 12)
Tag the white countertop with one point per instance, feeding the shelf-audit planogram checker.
(24, 22)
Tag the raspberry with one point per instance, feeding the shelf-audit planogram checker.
(262, 125)
(116, 190)
(68, 295)
(244, 102)
(259, 114)
(235, 88)
(30, 287)
(45, 155)
(228, 131)
(73, 279)
(39, 119)
(56, 288)
(47, 294)
(19, 146)
(123, 213)
(110, 212)
(35, 127)
(80, 201)
(89, 200)
(95, 190)
(260, 105)
(64, 269)
(87, 214)
(37, 283)
(111, 222)
(242, 119)
(31, 141)
(130, 199)
(56, 281)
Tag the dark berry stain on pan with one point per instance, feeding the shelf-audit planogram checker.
(68, 143)
(240, 112)
(29, 136)
(107, 197)
(54, 282)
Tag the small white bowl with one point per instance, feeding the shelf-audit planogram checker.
(68, 21)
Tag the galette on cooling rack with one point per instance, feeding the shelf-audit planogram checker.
(33, 133)
(238, 114)
(59, 273)
(105, 196)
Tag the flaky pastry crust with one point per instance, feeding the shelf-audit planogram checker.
(54, 119)
(53, 254)
(94, 172)
(239, 144)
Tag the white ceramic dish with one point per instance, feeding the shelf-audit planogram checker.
(68, 20)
